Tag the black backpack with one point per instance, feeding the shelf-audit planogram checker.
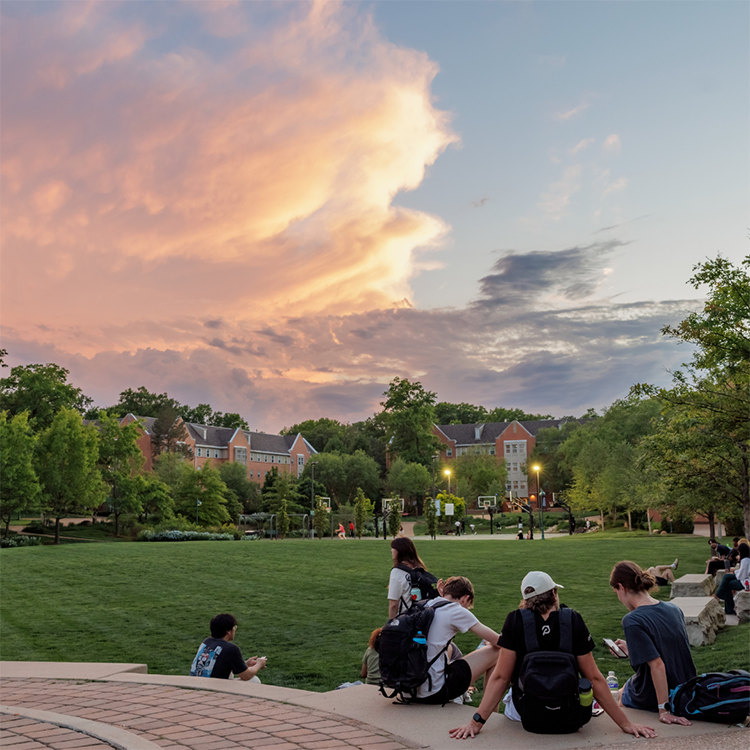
(420, 579)
(723, 697)
(547, 692)
(403, 652)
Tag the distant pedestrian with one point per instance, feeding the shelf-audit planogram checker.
(588, 524)
(458, 528)
(351, 529)
(471, 526)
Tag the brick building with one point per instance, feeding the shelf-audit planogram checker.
(256, 451)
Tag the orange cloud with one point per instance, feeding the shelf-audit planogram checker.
(142, 179)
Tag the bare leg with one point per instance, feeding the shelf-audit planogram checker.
(482, 661)
(663, 571)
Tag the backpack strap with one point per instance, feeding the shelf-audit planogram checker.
(529, 630)
(565, 623)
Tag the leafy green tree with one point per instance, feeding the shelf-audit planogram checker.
(550, 452)
(282, 520)
(318, 432)
(19, 486)
(363, 508)
(408, 480)
(459, 508)
(142, 403)
(409, 412)
(343, 474)
(479, 475)
(202, 494)
(169, 434)
(154, 497)
(170, 468)
(120, 460)
(320, 519)
(65, 462)
(394, 520)
(431, 518)
(42, 391)
(278, 487)
(204, 414)
(247, 493)
(713, 391)
(463, 413)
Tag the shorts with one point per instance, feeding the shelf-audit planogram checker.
(457, 682)
(661, 581)
(628, 701)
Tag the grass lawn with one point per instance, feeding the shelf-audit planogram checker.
(308, 605)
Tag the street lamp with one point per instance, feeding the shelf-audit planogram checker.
(540, 495)
(448, 474)
(312, 489)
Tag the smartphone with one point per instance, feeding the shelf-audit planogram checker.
(614, 648)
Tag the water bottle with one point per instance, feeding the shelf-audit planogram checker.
(416, 593)
(419, 638)
(612, 684)
(585, 692)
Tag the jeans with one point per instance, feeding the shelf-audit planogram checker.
(728, 584)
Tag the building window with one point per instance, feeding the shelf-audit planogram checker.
(300, 460)
(523, 485)
(515, 485)
(514, 448)
(240, 456)
(200, 452)
(265, 458)
(507, 449)
(216, 453)
(449, 452)
(492, 451)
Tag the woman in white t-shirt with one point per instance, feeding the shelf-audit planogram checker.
(731, 583)
(405, 555)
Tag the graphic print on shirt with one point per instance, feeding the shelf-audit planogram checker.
(204, 661)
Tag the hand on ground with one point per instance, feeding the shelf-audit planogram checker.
(667, 718)
(639, 730)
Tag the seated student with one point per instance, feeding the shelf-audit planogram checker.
(718, 560)
(735, 581)
(370, 661)
(540, 596)
(664, 574)
(451, 680)
(656, 643)
(219, 657)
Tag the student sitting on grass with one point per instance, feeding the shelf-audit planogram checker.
(219, 657)
(371, 661)
(664, 574)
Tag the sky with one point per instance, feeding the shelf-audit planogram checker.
(278, 207)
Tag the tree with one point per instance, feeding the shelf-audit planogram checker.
(247, 493)
(169, 434)
(479, 475)
(204, 414)
(408, 480)
(318, 432)
(142, 403)
(19, 486)
(409, 412)
(363, 508)
(714, 389)
(154, 497)
(282, 520)
(550, 452)
(320, 519)
(120, 460)
(65, 462)
(42, 391)
(463, 413)
(394, 520)
(430, 516)
(459, 508)
(280, 487)
(170, 468)
(202, 494)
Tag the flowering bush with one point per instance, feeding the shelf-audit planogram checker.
(20, 541)
(174, 535)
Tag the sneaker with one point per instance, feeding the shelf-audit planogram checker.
(675, 564)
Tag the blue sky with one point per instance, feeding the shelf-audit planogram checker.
(278, 207)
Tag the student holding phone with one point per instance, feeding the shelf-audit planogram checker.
(655, 641)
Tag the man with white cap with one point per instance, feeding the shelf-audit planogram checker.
(540, 596)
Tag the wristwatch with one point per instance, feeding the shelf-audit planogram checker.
(478, 718)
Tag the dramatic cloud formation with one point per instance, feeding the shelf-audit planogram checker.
(202, 202)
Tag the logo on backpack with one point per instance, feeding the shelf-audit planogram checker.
(403, 652)
(423, 586)
(547, 694)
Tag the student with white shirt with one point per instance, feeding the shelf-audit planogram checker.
(449, 680)
(733, 582)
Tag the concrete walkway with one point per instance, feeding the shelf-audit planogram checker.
(69, 705)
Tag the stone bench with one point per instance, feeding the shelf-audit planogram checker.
(718, 575)
(693, 584)
(742, 606)
(704, 615)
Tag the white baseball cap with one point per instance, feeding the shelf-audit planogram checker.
(536, 583)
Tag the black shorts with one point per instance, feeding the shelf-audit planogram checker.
(457, 682)
(661, 581)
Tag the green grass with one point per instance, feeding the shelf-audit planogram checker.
(308, 606)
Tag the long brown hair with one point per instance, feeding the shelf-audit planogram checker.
(632, 577)
(406, 552)
(541, 603)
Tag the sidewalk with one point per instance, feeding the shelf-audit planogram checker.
(75, 705)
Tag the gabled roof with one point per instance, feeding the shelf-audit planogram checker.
(147, 422)
(263, 443)
(464, 434)
(203, 434)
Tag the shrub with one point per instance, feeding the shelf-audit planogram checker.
(175, 535)
(35, 528)
(679, 525)
(20, 541)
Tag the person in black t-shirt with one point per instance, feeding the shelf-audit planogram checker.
(719, 554)
(540, 596)
(218, 657)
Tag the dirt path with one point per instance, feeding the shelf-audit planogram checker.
(408, 527)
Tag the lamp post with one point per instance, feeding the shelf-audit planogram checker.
(448, 474)
(197, 505)
(540, 496)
